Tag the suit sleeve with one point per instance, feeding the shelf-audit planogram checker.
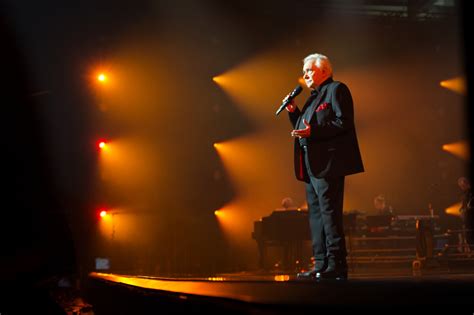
(343, 118)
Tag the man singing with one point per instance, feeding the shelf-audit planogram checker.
(326, 150)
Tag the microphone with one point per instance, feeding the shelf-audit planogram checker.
(293, 94)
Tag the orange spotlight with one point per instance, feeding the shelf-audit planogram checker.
(454, 209)
(102, 78)
(217, 213)
(103, 213)
(460, 149)
(102, 144)
(217, 79)
(224, 147)
(457, 85)
(245, 83)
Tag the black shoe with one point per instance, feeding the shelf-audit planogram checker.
(311, 274)
(332, 274)
(336, 270)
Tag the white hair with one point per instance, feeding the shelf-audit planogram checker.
(321, 61)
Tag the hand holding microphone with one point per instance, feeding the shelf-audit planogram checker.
(291, 105)
(288, 100)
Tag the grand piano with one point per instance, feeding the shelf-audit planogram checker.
(286, 229)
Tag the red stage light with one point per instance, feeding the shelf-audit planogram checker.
(102, 144)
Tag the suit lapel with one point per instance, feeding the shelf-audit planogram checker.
(317, 101)
(304, 109)
(312, 106)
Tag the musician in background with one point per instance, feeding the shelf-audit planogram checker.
(380, 204)
(288, 204)
(466, 209)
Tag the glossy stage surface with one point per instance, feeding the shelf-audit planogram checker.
(250, 293)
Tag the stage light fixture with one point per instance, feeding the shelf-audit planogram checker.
(102, 78)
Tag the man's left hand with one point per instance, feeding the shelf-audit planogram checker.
(302, 133)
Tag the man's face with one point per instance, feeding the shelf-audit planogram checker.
(312, 75)
(379, 204)
(464, 184)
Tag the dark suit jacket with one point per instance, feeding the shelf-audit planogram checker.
(333, 149)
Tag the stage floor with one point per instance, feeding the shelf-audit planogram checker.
(284, 294)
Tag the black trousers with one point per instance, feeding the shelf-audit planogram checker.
(325, 198)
